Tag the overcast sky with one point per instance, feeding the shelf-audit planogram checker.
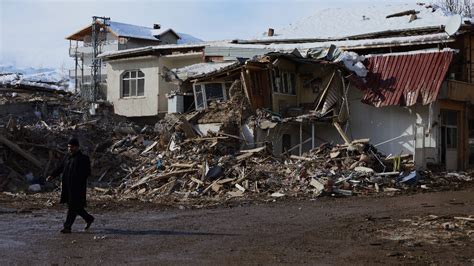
(32, 32)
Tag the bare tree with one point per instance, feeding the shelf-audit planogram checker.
(462, 7)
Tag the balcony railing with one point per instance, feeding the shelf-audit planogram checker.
(86, 48)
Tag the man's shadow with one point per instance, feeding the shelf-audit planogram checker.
(157, 232)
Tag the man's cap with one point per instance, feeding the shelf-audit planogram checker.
(73, 141)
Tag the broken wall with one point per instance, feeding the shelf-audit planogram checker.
(311, 82)
(281, 102)
(286, 136)
(392, 130)
(170, 62)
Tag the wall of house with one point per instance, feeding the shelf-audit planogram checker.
(392, 130)
(312, 80)
(136, 43)
(170, 62)
(168, 38)
(146, 105)
(281, 102)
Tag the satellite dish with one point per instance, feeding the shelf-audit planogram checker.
(453, 25)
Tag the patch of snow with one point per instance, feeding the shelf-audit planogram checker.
(354, 20)
(284, 47)
(6, 79)
(353, 62)
(4, 68)
(47, 77)
(188, 39)
(423, 51)
(141, 32)
(134, 31)
(50, 79)
(150, 48)
(200, 69)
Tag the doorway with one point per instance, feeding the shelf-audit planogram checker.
(449, 139)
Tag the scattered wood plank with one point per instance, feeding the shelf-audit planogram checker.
(239, 187)
(341, 132)
(149, 148)
(20, 151)
(403, 13)
(259, 149)
(183, 165)
(229, 135)
(197, 181)
(469, 219)
(205, 139)
(180, 172)
(187, 128)
(301, 158)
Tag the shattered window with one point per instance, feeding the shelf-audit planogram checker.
(198, 97)
(133, 83)
(207, 92)
(283, 82)
(214, 92)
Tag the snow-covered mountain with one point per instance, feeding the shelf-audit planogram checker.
(4, 68)
(40, 77)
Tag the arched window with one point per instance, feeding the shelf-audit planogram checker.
(133, 83)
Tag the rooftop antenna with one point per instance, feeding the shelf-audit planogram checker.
(453, 25)
(98, 36)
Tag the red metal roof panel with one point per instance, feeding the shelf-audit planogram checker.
(405, 79)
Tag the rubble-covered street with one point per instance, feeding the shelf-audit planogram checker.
(423, 228)
(167, 194)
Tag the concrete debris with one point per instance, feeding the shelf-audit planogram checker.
(176, 161)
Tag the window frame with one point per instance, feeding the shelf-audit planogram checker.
(202, 92)
(284, 83)
(132, 80)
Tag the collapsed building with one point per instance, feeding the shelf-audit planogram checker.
(414, 95)
(280, 115)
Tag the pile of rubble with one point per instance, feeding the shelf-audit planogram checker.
(196, 167)
(177, 160)
(33, 141)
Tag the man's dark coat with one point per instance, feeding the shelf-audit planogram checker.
(75, 169)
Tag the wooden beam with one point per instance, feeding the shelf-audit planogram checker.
(20, 151)
(301, 139)
(341, 132)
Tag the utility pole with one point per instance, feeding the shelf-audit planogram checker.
(99, 24)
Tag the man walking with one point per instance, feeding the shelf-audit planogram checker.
(75, 168)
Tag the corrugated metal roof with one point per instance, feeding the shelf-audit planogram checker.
(134, 31)
(405, 79)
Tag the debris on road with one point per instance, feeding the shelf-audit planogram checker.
(200, 155)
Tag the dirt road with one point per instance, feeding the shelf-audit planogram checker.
(417, 229)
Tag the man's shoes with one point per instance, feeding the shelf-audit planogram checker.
(88, 224)
(66, 231)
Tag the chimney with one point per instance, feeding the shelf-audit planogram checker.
(270, 32)
(156, 26)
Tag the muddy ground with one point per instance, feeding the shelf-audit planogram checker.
(408, 229)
